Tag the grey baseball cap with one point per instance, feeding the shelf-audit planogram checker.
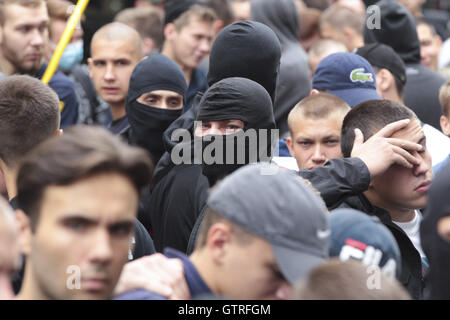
(280, 208)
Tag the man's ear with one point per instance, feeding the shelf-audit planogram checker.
(290, 145)
(148, 44)
(91, 65)
(218, 25)
(25, 233)
(384, 80)
(313, 92)
(169, 31)
(218, 240)
(59, 132)
(445, 125)
(349, 35)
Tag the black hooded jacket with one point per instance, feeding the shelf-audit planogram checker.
(175, 206)
(435, 247)
(411, 273)
(294, 82)
(147, 124)
(398, 30)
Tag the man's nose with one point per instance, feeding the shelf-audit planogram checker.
(101, 248)
(422, 167)
(318, 155)
(109, 72)
(38, 38)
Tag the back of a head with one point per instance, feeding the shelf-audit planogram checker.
(318, 106)
(281, 16)
(360, 237)
(148, 21)
(397, 29)
(370, 117)
(81, 152)
(382, 56)
(246, 49)
(348, 280)
(338, 16)
(29, 114)
(324, 47)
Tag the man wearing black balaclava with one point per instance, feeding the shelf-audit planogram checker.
(245, 49)
(228, 109)
(397, 29)
(154, 100)
(435, 236)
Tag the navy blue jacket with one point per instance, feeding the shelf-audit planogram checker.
(195, 282)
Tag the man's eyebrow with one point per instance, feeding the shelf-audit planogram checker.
(79, 217)
(330, 136)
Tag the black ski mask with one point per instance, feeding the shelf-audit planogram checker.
(436, 248)
(246, 49)
(236, 99)
(148, 123)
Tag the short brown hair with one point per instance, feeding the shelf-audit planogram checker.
(29, 114)
(317, 106)
(222, 9)
(444, 98)
(199, 12)
(347, 280)
(24, 3)
(148, 21)
(370, 117)
(81, 152)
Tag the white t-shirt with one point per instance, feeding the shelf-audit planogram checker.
(412, 230)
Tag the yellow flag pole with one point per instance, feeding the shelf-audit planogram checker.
(72, 23)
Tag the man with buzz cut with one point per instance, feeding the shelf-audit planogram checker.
(23, 39)
(115, 50)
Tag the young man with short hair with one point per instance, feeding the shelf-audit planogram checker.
(189, 32)
(24, 36)
(396, 195)
(315, 127)
(115, 50)
(78, 196)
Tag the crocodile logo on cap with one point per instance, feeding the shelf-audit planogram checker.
(359, 75)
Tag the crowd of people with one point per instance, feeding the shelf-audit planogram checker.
(226, 149)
